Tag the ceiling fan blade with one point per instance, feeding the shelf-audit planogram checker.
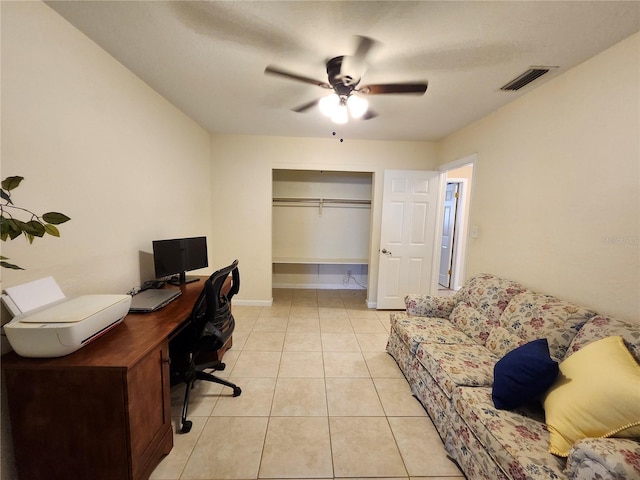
(306, 106)
(362, 50)
(385, 88)
(369, 114)
(355, 65)
(293, 76)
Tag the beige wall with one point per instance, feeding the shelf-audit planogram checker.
(96, 143)
(556, 185)
(242, 183)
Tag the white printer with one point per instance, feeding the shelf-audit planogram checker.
(48, 324)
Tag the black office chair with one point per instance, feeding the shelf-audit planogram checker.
(209, 327)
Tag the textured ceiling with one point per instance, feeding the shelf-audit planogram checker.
(208, 58)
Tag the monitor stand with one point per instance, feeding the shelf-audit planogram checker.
(181, 279)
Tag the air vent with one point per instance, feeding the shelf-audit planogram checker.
(526, 78)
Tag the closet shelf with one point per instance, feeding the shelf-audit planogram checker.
(322, 261)
(322, 201)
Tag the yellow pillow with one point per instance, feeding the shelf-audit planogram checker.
(596, 394)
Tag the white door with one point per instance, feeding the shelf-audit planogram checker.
(448, 234)
(407, 235)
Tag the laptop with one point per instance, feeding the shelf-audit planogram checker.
(153, 299)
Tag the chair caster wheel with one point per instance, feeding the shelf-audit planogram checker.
(186, 426)
(236, 391)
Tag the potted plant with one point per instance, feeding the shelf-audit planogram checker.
(12, 227)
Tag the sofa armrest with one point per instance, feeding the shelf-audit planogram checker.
(429, 306)
(605, 458)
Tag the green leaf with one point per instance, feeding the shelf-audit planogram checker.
(10, 265)
(15, 228)
(29, 237)
(5, 196)
(36, 228)
(56, 218)
(10, 183)
(51, 230)
(4, 225)
(18, 224)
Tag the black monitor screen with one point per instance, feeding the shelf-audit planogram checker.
(179, 255)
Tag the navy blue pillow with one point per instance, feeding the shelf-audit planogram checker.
(523, 375)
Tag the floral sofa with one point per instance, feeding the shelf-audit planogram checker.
(450, 348)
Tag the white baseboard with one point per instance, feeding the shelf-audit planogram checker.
(253, 303)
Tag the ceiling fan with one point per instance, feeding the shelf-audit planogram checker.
(346, 101)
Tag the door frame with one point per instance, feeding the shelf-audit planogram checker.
(459, 183)
(459, 233)
(462, 222)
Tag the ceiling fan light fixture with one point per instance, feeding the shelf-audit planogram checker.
(357, 106)
(329, 104)
(340, 115)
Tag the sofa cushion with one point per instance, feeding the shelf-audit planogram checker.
(489, 294)
(457, 364)
(532, 315)
(501, 341)
(523, 374)
(517, 439)
(601, 327)
(597, 394)
(472, 322)
(415, 330)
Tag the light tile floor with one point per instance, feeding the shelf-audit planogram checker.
(320, 399)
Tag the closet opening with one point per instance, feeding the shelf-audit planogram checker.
(321, 229)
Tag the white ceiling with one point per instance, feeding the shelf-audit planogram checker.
(208, 58)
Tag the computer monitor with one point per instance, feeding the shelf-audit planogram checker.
(177, 256)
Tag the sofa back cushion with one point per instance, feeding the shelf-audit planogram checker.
(531, 316)
(501, 341)
(488, 294)
(600, 327)
(472, 322)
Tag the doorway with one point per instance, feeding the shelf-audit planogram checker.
(458, 178)
(447, 243)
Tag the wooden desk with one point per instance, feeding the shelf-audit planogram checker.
(103, 412)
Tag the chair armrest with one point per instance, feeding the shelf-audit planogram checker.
(429, 306)
(604, 458)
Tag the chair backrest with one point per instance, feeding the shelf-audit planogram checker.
(211, 320)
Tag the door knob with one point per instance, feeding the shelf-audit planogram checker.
(385, 251)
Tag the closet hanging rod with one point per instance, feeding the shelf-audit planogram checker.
(322, 200)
